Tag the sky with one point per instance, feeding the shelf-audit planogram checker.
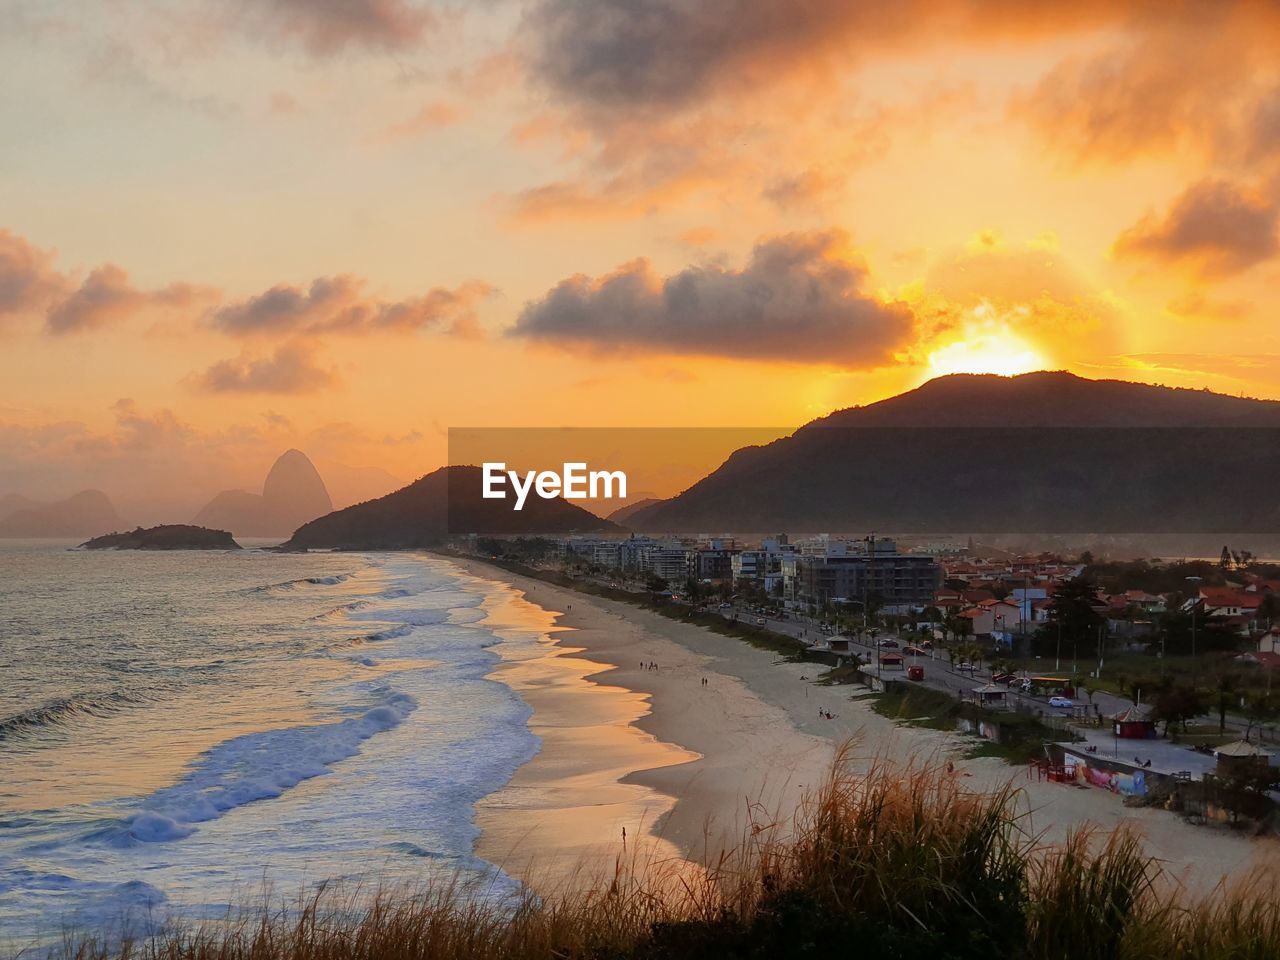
(231, 227)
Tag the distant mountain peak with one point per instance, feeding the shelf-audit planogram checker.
(292, 494)
(87, 513)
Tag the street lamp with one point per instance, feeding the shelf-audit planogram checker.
(1195, 602)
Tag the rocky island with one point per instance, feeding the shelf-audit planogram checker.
(173, 536)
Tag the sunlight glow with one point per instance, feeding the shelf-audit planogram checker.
(987, 344)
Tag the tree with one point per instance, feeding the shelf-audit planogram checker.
(1269, 609)
(1225, 692)
(1073, 611)
(1211, 632)
(1176, 704)
(1245, 789)
(1260, 708)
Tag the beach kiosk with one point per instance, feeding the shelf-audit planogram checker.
(1239, 758)
(891, 661)
(990, 695)
(1134, 723)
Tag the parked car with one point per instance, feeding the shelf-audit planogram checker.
(1061, 702)
(888, 642)
(913, 651)
(1003, 677)
(964, 666)
(759, 621)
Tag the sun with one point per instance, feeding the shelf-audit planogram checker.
(987, 344)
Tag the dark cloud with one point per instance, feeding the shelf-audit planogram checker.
(628, 54)
(1214, 225)
(326, 27)
(28, 280)
(291, 369)
(339, 304)
(797, 299)
(106, 296)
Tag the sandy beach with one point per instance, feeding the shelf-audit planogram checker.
(685, 766)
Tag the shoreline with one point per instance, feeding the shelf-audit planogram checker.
(759, 744)
(655, 751)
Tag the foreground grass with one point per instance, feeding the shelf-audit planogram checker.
(896, 862)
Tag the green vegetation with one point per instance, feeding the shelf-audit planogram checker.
(900, 862)
(1021, 737)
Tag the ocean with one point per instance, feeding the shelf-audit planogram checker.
(183, 733)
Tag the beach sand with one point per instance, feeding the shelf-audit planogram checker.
(688, 767)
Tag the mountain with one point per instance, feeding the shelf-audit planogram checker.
(292, 494)
(348, 484)
(173, 536)
(86, 514)
(441, 504)
(11, 503)
(1045, 452)
(622, 513)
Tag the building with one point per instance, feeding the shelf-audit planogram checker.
(764, 565)
(669, 563)
(891, 579)
(712, 564)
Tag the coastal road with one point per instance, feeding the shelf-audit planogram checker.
(939, 674)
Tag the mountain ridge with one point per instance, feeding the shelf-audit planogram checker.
(443, 503)
(1041, 452)
(84, 514)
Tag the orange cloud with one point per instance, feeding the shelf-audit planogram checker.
(432, 116)
(292, 369)
(1194, 76)
(107, 297)
(28, 280)
(339, 305)
(1216, 226)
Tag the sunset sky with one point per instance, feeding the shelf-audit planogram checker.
(229, 227)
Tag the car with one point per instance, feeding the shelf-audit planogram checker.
(1061, 702)
(964, 666)
(726, 606)
(913, 651)
(999, 677)
(759, 621)
(888, 642)
(915, 673)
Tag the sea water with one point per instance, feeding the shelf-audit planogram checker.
(182, 734)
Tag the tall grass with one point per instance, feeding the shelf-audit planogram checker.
(898, 861)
